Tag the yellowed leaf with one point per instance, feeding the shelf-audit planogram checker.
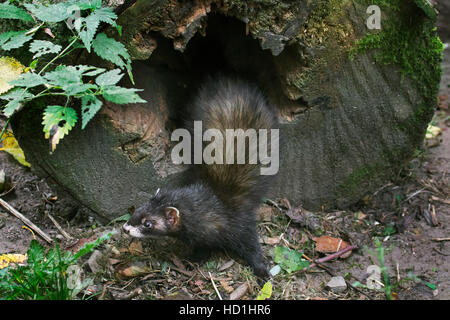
(10, 69)
(11, 146)
(7, 259)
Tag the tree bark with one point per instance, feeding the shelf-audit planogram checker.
(349, 117)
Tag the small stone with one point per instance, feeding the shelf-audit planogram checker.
(93, 260)
(337, 284)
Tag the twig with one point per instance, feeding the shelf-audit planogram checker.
(64, 233)
(17, 214)
(441, 239)
(6, 192)
(214, 285)
(434, 198)
(330, 257)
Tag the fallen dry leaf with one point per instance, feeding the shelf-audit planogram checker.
(7, 259)
(226, 265)
(226, 286)
(271, 240)
(11, 146)
(327, 244)
(135, 269)
(265, 213)
(239, 292)
(135, 248)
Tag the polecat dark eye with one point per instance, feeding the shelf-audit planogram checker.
(148, 224)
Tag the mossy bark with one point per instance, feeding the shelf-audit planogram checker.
(353, 104)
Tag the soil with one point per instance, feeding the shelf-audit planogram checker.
(400, 213)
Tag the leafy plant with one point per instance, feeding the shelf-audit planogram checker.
(46, 276)
(88, 84)
(380, 251)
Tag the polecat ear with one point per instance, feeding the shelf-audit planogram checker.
(172, 215)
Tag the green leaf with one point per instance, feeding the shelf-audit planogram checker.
(91, 245)
(90, 105)
(16, 93)
(52, 13)
(109, 78)
(8, 11)
(14, 39)
(86, 4)
(63, 76)
(40, 47)
(123, 218)
(77, 88)
(289, 260)
(106, 15)
(15, 97)
(121, 95)
(95, 72)
(266, 291)
(111, 50)
(430, 285)
(58, 121)
(87, 34)
(35, 253)
(11, 107)
(29, 80)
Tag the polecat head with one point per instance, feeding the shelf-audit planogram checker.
(154, 219)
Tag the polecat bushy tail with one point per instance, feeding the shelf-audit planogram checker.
(217, 211)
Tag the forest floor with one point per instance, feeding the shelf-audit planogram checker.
(410, 214)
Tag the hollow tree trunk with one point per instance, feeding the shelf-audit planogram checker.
(351, 112)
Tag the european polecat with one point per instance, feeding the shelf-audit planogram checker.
(217, 211)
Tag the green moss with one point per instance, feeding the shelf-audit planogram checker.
(408, 39)
(358, 177)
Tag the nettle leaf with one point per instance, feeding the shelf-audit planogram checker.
(16, 93)
(90, 105)
(111, 50)
(87, 35)
(78, 88)
(58, 121)
(29, 80)
(52, 13)
(109, 78)
(14, 39)
(15, 98)
(86, 4)
(121, 95)
(63, 76)
(106, 15)
(94, 72)
(9, 11)
(40, 47)
(11, 107)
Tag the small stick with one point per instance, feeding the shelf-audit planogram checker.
(64, 233)
(330, 257)
(441, 239)
(17, 214)
(214, 285)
